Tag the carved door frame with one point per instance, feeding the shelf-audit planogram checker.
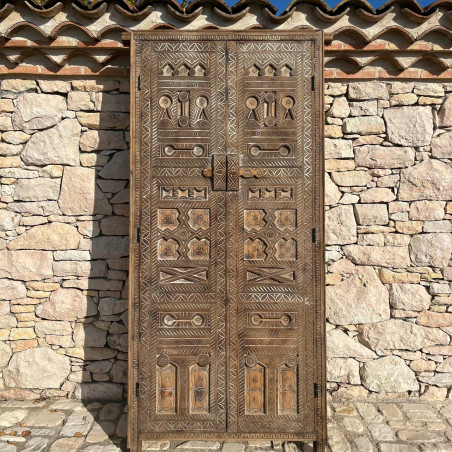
(139, 191)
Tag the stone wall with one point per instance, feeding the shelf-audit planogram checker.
(64, 246)
(388, 233)
(64, 238)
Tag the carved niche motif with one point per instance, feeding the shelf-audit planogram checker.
(254, 387)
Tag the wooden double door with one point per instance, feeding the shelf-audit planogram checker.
(226, 303)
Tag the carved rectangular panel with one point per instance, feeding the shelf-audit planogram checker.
(226, 301)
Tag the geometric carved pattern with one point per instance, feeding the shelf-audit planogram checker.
(174, 275)
(286, 220)
(286, 250)
(270, 275)
(254, 249)
(199, 219)
(254, 220)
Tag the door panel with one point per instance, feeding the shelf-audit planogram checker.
(182, 304)
(276, 253)
(226, 300)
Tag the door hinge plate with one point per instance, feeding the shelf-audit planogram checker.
(137, 389)
(314, 235)
(138, 235)
(316, 390)
(139, 83)
(313, 83)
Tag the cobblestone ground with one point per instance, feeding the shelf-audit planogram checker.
(60, 426)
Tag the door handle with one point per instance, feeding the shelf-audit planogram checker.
(225, 172)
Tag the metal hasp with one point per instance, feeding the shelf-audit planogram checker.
(227, 337)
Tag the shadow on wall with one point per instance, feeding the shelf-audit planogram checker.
(65, 262)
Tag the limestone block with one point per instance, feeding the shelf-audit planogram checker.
(67, 304)
(351, 178)
(427, 210)
(114, 225)
(364, 125)
(445, 113)
(431, 249)
(414, 185)
(361, 298)
(14, 85)
(10, 150)
(58, 145)
(79, 100)
(409, 126)
(434, 319)
(52, 236)
(38, 111)
(11, 289)
(99, 140)
(340, 226)
(332, 193)
(343, 370)
(117, 167)
(113, 102)
(409, 297)
(41, 189)
(104, 120)
(39, 367)
(370, 214)
(80, 194)
(388, 374)
(54, 328)
(367, 90)
(109, 247)
(54, 86)
(338, 149)
(26, 265)
(339, 109)
(340, 345)
(397, 334)
(442, 146)
(95, 86)
(384, 157)
(366, 108)
(16, 137)
(377, 195)
(9, 220)
(383, 256)
(88, 335)
(101, 391)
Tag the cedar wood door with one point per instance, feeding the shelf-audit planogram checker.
(226, 294)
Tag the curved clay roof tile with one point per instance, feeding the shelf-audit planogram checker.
(91, 13)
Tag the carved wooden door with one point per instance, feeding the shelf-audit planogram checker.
(226, 299)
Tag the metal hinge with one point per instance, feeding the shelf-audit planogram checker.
(139, 83)
(137, 389)
(313, 83)
(138, 235)
(316, 390)
(314, 235)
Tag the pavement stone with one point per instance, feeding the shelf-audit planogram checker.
(398, 425)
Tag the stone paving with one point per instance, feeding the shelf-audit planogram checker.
(378, 426)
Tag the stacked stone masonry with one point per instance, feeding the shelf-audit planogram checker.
(64, 238)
